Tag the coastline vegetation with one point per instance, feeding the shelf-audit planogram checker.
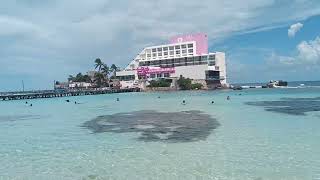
(160, 83)
(100, 77)
(186, 84)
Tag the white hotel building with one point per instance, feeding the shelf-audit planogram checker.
(185, 55)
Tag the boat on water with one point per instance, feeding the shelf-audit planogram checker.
(277, 84)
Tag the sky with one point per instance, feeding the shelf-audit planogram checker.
(42, 41)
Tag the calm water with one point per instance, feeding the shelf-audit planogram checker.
(254, 139)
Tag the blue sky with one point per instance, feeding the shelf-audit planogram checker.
(42, 41)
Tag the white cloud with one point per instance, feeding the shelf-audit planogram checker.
(294, 28)
(309, 52)
(307, 56)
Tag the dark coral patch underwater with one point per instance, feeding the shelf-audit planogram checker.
(292, 106)
(186, 126)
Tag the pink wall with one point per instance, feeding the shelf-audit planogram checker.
(201, 40)
(143, 71)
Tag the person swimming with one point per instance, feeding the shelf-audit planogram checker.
(30, 104)
(184, 102)
(212, 102)
(26, 102)
(118, 99)
(75, 102)
(67, 100)
(228, 98)
(158, 97)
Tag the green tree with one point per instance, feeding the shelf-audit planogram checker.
(196, 86)
(105, 70)
(99, 79)
(114, 69)
(98, 64)
(160, 83)
(184, 83)
(70, 78)
(79, 77)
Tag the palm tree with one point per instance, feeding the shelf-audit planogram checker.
(114, 69)
(99, 79)
(98, 64)
(105, 70)
(70, 78)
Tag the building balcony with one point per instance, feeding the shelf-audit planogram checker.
(215, 78)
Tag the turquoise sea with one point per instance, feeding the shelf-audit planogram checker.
(259, 134)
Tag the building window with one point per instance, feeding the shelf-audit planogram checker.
(160, 49)
(154, 50)
(165, 48)
(177, 52)
(177, 47)
(184, 51)
(190, 45)
(148, 55)
(212, 75)
(183, 46)
(154, 54)
(165, 53)
(171, 48)
(211, 63)
(190, 50)
(160, 54)
(171, 53)
(189, 59)
(166, 75)
(152, 75)
(126, 78)
(212, 57)
(197, 58)
(204, 58)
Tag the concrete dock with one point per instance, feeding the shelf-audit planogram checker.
(55, 94)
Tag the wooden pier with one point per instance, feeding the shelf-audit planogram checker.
(55, 94)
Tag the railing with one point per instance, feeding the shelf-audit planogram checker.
(215, 77)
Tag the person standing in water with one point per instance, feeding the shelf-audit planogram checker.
(228, 98)
(184, 102)
(118, 99)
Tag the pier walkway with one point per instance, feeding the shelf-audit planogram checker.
(56, 93)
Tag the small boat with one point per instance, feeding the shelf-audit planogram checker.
(277, 84)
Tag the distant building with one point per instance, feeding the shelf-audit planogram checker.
(185, 55)
(80, 85)
(61, 85)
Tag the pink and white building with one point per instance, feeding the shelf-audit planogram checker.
(185, 55)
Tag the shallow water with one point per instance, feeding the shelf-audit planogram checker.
(254, 139)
